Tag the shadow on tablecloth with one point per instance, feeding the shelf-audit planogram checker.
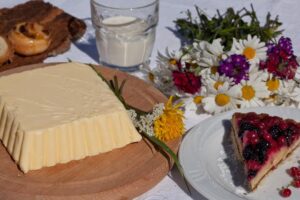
(175, 175)
(87, 43)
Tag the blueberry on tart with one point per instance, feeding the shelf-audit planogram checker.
(261, 142)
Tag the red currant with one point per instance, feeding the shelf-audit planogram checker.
(281, 141)
(261, 125)
(285, 192)
(293, 171)
(296, 183)
(252, 134)
(297, 175)
(253, 165)
(283, 125)
(267, 136)
(254, 140)
(294, 137)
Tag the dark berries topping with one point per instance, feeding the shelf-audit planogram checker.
(257, 152)
(265, 145)
(251, 173)
(254, 165)
(260, 154)
(275, 132)
(281, 141)
(267, 136)
(248, 153)
(245, 126)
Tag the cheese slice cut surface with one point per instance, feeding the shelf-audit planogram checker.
(60, 113)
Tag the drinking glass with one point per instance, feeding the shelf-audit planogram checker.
(125, 31)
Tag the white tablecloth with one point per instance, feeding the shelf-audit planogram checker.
(172, 186)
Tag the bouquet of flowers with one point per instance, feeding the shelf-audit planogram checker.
(252, 73)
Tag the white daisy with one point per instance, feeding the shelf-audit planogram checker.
(198, 97)
(208, 55)
(172, 59)
(297, 74)
(253, 91)
(161, 77)
(280, 90)
(214, 81)
(295, 96)
(213, 49)
(220, 100)
(251, 48)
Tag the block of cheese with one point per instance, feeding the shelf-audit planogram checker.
(60, 113)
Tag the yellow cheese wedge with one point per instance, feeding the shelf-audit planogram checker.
(60, 113)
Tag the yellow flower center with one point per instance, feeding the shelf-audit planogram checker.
(273, 84)
(218, 84)
(151, 76)
(222, 99)
(173, 61)
(198, 99)
(169, 125)
(248, 92)
(214, 69)
(249, 53)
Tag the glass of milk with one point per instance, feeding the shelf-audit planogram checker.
(125, 31)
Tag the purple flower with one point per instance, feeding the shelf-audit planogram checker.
(285, 44)
(281, 61)
(236, 67)
(270, 46)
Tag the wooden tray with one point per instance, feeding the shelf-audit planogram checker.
(120, 174)
(62, 27)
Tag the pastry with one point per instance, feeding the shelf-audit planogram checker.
(29, 38)
(261, 142)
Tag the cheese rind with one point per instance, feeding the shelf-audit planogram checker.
(60, 113)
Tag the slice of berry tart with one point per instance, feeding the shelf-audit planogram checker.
(261, 142)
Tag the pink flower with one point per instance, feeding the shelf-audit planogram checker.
(187, 82)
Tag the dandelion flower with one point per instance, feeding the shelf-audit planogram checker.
(169, 125)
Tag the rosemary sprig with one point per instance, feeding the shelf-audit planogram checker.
(231, 24)
(158, 144)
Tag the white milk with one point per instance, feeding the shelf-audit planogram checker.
(124, 41)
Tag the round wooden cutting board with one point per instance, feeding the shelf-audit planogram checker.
(120, 174)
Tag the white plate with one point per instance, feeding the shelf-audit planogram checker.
(209, 165)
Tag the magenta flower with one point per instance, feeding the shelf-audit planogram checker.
(187, 82)
(281, 61)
